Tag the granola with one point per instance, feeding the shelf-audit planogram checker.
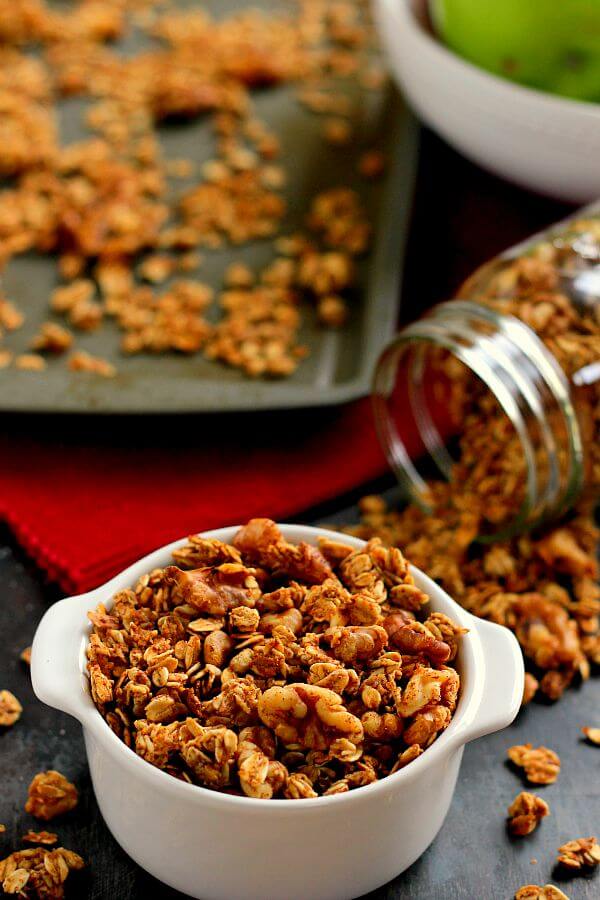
(105, 206)
(523, 583)
(272, 669)
(593, 735)
(535, 892)
(40, 837)
(541, 765)
(38, 873)
(10, 709)
(50, 794)
(582, 853)
(543, 585)
(525, 812)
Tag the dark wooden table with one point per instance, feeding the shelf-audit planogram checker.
(462, 216)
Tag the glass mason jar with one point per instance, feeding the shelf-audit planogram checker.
(503, 383)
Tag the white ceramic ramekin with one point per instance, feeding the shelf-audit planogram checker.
(220, 847)
(541, 141)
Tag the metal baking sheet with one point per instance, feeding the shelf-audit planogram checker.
(340, 364)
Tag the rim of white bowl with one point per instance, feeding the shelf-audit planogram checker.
(471, 657)
(405, 11)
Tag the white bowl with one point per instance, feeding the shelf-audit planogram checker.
(542, 142)
(222, 847)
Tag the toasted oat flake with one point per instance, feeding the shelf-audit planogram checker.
(52, 338)
(30, 362)
(592, 734)
(10, 709)
(40, 837)
(85, 362)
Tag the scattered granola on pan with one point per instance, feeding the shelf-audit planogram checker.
(50, 794)
(535, 892)
(10, 709)
(38, 873)
(106, 205)
(274, 669)
(582, 853)
(525, 812)
(541, 765)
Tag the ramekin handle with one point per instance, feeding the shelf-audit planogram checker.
(504, 677)
(58, 643)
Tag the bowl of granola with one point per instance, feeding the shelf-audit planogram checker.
(275, 711)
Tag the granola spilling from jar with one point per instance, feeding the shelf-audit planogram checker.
(544, 584)
(273, 669)
(113, 209)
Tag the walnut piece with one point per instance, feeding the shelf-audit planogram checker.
(310, 716)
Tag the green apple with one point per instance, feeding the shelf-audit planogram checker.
(551, 45)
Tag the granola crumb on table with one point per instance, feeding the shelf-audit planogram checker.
(274, 669)
(535, 892)
(50, 794)
(38, 873)
(541, 765)
(580, 854)
(525, 812)
(10, 709)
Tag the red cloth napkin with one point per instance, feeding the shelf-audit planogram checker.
(107, 491)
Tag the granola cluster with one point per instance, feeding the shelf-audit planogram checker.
(10, 709)
(50, 794)
(273, 669)
(535, 892)
(38, 872)
(111, 207)
(582, 853)
(525, 813)
(540, 764)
